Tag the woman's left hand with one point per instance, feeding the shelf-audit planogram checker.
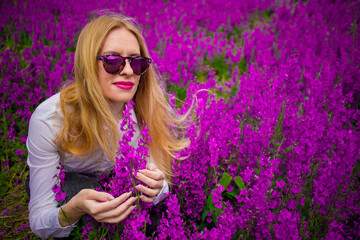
(153, 178)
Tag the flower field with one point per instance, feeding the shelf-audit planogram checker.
(275, 135)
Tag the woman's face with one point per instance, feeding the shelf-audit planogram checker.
(119, 88)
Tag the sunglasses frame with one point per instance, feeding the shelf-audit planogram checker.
(104, 59)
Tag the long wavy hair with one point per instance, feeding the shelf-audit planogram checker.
(89, 123)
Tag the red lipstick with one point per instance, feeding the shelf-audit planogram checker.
(124, 85)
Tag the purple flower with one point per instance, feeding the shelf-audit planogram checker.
(19, 152)
(59, 195)
(217, 198)
(281, 112)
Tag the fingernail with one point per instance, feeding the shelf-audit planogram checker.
(109, 197)
(129, 193)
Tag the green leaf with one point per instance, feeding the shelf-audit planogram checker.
(204, 214)
(232, 194)
(210, 204)
(225, 180)
(239, 182)
(218, 212)
(181, 93)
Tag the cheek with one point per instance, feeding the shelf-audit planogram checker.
(100, 67)
(137, 82)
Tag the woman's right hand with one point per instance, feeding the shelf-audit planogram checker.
(101, 206)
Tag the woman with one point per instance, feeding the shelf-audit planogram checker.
(78, 128)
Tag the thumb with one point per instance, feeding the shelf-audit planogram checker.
(151, 167)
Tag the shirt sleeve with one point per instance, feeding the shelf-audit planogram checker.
(162, 194)
(43, 160)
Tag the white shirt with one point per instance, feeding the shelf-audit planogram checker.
(44, 158)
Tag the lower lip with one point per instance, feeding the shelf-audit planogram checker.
(124, 86)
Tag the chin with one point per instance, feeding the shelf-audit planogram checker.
(122, 99)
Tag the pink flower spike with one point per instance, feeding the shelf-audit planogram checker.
(60, 196)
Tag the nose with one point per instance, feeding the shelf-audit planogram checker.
(127, 69)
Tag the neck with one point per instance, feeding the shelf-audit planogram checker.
(117, 109)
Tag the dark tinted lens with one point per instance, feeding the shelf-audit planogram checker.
(114, 64)
(140, 65)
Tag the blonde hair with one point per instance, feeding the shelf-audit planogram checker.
(88, 121)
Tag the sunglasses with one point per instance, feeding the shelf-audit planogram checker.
(114, 64)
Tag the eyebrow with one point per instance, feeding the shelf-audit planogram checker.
(116, 53)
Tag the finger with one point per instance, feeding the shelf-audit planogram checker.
(96, 195)
(120, 218)
(116, 212)
(116, 202)
(98, 208)
(151, 167)
(156, 175)
(148, 191)
(146, 199)
(149, 181)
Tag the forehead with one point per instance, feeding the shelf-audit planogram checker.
(122, 41)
